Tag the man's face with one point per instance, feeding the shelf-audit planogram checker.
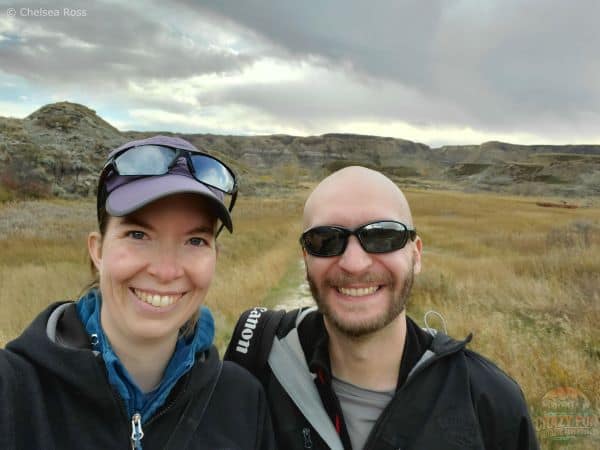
(358, 292)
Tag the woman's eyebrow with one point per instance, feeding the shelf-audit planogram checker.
(135, 221)
(201, 230)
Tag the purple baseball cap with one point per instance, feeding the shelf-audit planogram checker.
(126, 194)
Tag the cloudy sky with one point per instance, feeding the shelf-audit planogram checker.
(437, 72)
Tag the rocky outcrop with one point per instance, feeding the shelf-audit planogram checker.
(55, 151)
(59, 149)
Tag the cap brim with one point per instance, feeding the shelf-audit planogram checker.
(138, 193)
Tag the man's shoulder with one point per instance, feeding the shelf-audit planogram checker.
(487, 382)
(486, 374)
(492, 388)
(500, 405)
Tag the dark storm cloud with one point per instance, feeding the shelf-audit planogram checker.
(112, 44)
(502, 63)
(389, 39)
(505, 66)
(522, 60)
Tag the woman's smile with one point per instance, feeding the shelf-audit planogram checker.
(156, 299)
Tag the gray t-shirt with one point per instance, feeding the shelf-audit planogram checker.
(361, 409)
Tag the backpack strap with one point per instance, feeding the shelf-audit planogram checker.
(252, 339)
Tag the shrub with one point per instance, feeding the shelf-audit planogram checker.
(24, 178)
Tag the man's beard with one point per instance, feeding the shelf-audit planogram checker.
(396, 305)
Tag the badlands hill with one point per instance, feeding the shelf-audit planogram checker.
(59, 149)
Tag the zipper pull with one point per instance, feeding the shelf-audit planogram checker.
(307, 441)
(136, 432)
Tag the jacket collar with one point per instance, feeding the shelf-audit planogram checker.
(181, 361)
(422, 347)
(65, 328)
(57, 342)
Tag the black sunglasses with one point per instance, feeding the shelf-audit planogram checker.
(153, 160)
(376, 237)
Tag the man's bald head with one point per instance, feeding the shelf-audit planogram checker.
(360, 292)
(355, 195)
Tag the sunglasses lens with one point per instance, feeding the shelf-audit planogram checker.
(325, 241)
(147, 160)
(383, 237)
(210, 171)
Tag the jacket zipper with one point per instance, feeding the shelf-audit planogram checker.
(374, 430)
(136, 419)
(119, 401)
(136, 432)
(165, 408)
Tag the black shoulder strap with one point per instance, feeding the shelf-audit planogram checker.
(192, 415)
(252, 339)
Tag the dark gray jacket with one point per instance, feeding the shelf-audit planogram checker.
(452, 398)
(55, 395)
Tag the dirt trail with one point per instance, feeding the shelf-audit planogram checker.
(298, 297)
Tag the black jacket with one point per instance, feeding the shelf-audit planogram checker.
(452, 399)
(54, 394)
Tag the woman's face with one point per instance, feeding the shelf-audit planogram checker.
(155, 267)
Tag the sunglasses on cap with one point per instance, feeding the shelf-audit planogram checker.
(376, 237)
(149, 160)
(155, 160)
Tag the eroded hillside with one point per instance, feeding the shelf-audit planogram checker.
(59, 149)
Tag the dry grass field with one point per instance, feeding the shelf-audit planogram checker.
(522, 278)
(43, 257)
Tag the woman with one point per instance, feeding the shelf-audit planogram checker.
(132, 361)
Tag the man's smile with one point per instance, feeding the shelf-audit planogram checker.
(358, 292)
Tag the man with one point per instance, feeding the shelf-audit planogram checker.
(358, 373)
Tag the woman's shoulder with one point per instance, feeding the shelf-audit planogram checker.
(233, 380)
(5, 365)
(14, 370)
(238, 385)
(37, 350)
(233, 373)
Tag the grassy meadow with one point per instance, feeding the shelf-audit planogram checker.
(43, 257)
(522, 278)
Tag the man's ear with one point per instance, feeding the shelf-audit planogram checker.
(305, 254)
(94, 242)
(417, 252)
